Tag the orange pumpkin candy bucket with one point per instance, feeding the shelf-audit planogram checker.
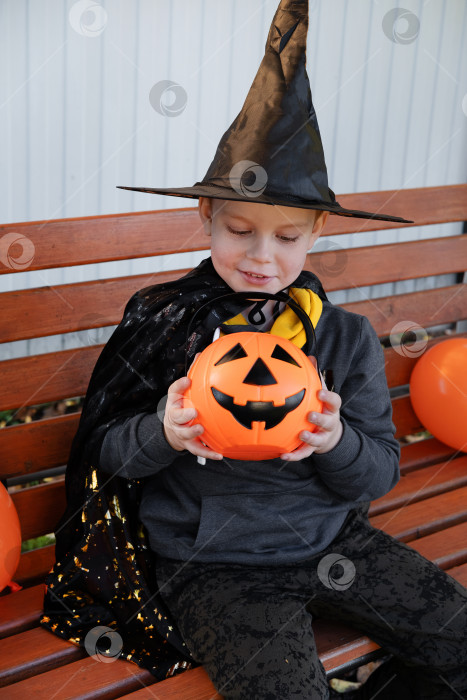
(253, 393)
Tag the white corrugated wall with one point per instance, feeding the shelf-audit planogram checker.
(389, 84)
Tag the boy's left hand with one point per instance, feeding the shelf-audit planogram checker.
(329, 432)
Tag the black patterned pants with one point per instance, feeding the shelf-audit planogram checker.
(250, 626)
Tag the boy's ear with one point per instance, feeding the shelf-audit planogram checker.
(205, 213)
(320, 221)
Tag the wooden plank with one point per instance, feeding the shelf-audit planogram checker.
(460, 574)
(400, 361)
(71, 307)
(428, 308)
(42, 378)
(77, 241)
(20, 611)
(421, 454)
(189, 685)
(425, 205)
(32, 652)
(38, 445)
(52, 376)
(91, 239)
(423, 483)
(419, 519)
(34, 565)
(404, 417)
(447, 548)
(86, 679)
(40, 508)
(347, 268)
(104, 300)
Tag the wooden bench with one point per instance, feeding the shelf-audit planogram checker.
(427, 509)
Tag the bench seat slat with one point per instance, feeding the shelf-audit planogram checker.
(86, 679)
(447, 548)
(460, 574)
(423, 483)
(336, 643)
(32, 652)
(419, 519)
(20, 611)
(423, 453)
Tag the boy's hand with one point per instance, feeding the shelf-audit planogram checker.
(330, 429)
(178, 434)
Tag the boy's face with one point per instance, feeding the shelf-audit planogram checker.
(259, 247)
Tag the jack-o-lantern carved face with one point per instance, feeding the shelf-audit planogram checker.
(253, 393)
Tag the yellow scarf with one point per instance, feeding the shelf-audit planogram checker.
(288, 325)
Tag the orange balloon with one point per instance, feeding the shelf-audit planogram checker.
(438, 391)
(253, 393)
(10, 538)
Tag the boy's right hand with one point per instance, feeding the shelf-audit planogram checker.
(178, 434)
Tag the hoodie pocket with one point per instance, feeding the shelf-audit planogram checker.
(257, 523)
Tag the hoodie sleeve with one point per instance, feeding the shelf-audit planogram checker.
(364, 465)
(136, 447)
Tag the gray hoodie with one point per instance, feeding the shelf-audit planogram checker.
(271, 511)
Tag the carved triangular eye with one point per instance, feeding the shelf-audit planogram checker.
(280, 354)
(234, 353)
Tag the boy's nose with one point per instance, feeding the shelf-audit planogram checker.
(260, 249)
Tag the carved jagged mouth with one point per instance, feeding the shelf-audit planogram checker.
(263, 411)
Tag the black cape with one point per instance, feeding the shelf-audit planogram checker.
(104, 573)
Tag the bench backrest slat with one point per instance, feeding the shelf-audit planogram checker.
(42, 378)
(341, 268)
(85, 305)
(39, 508)
(428, 308)
(71, 307)
(67, 242)
(36, 446)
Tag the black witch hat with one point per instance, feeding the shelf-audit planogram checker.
(272, 153)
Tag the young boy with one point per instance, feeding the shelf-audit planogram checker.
(243, 546)
(245, 553)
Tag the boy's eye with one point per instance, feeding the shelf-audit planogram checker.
(284, 239)
(235, 231)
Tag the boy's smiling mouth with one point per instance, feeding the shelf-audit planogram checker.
(255, 277)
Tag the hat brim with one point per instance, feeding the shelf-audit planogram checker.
(218, 192)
